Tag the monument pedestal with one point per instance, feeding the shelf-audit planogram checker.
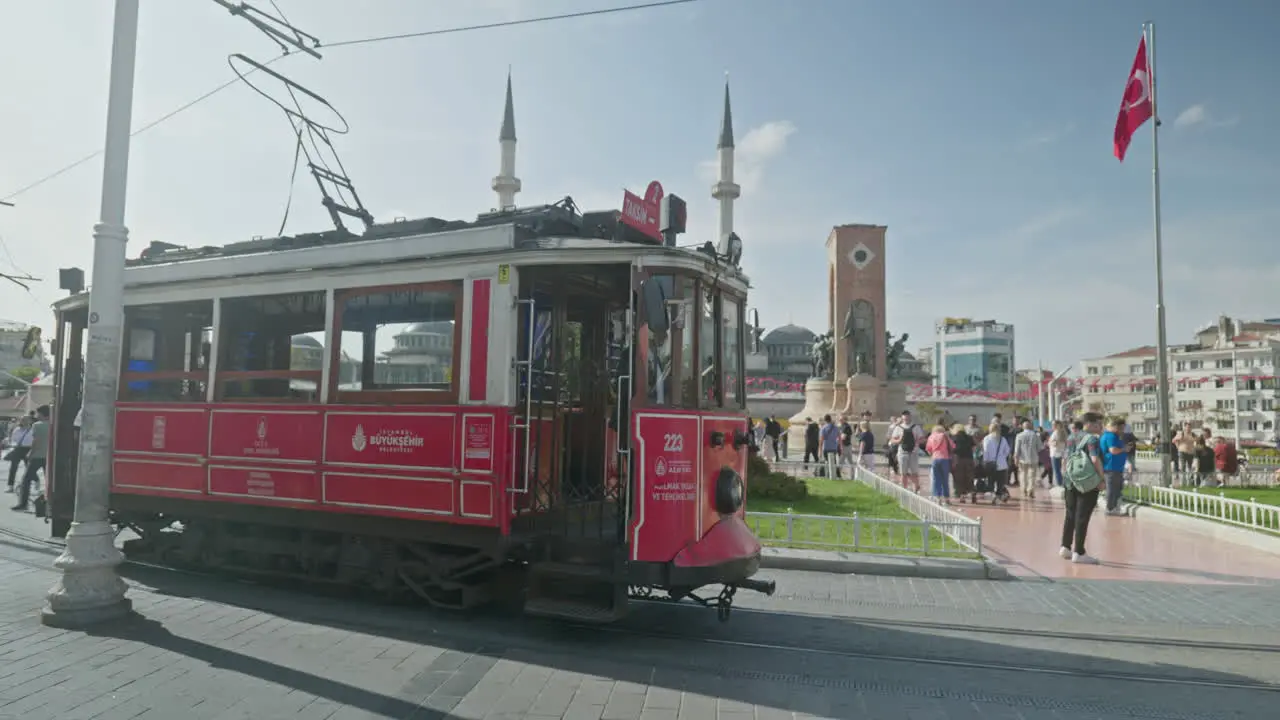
(865, 393)
(819, 396)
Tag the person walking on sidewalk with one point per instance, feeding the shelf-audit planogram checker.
(962, 463)
(908, 437)
(1115, 457)
(19, 444)
(35, 458)
(941, 448)
(1026, 454)
(1082, 478)
(829, 435)
(1057, 449)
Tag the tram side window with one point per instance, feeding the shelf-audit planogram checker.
(731, 340)
(271, 347)
(670, 362)
(166, 353)
(400, 339)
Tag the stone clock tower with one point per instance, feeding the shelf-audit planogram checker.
(859, 380)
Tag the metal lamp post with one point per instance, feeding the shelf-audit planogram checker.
(89, 590)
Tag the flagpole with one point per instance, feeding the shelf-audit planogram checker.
(1162, 344)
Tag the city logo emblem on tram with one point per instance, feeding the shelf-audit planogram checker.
(358, 440)
(660, 467)
(157, 432)
(262, 429)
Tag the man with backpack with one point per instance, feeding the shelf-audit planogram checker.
(908, 437)
(1083, 480)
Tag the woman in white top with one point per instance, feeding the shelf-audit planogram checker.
(995, 460)
(1058, 449)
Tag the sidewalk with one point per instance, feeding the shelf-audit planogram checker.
(1024, 537)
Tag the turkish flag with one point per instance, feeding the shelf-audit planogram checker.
(1136, 107)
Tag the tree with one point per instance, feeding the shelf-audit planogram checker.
(929, 412)
(22, 376)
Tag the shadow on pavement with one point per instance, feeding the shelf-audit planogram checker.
(796, 663)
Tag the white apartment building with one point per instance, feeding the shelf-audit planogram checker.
(1123, 384)
(1226, 381)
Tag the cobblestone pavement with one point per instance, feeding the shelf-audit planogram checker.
(212, 648)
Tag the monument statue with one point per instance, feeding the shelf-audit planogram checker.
(893, 357)
(822, 356)
(859, 324)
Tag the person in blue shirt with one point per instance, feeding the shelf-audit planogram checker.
(1115, 457)
(830, 438)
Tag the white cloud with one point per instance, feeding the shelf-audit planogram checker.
(1192, 116)
(1198, 115)
(753, 153)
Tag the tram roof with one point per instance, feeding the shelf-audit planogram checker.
(528, 231)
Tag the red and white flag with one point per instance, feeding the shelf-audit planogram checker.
(1136, 107)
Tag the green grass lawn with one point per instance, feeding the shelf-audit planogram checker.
(841, 499)
(1266, 496)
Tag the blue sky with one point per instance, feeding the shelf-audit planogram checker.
(978, 131)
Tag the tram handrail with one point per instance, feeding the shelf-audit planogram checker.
(528, 397)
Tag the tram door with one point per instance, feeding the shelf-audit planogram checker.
(572, 363)
(64, 455)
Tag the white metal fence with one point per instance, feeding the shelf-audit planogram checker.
(937, 530)
(1248, 476)
(1258, 460)
(1210, 505)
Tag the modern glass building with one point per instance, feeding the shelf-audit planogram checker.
(970, 355)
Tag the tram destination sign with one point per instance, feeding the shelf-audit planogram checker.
(643, 213)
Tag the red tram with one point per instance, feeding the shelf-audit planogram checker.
(537, 403)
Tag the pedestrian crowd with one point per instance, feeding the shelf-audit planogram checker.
(1089, 459)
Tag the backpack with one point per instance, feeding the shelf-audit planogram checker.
(908, 442)
(1079, 472)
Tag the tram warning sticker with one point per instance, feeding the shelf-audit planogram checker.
(477, 443)
(504, 274)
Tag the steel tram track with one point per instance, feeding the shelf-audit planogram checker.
(772, 647)
(980, 665)
(1015, 632)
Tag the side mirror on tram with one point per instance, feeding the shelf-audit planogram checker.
(654, 299)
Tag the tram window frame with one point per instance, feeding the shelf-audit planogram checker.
(224, 378)
(739, 399)
(684, 392)
(710, 395)
(400, 394)
(160, 346)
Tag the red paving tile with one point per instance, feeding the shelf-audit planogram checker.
(1024, 536)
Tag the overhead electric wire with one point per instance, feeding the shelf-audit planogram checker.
(347, 43)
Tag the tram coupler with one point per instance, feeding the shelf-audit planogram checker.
(761, 586)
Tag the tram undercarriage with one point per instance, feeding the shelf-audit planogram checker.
(388, 568)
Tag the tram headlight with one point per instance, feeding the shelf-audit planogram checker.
(729, 491)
